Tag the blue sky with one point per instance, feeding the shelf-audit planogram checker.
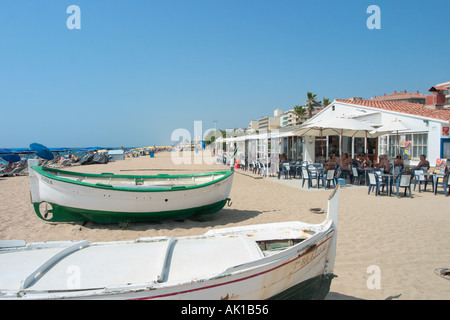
(137, 70)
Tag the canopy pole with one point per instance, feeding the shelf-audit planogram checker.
(321, 141)
(365, 144)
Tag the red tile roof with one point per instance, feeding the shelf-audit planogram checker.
(401, 95)
(438, 88)
(416, 109)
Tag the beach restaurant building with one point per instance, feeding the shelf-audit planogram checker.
(426, 131)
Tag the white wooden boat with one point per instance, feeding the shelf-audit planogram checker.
(64, 196)
(277, 261)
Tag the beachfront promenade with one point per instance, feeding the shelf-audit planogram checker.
(388, 248)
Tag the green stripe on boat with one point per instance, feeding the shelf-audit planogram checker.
(59, 213)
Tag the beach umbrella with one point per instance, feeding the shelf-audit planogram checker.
(5, 151)
(23, 151)
(42, 151)
(60, 149)
(337, 126)
(340, 126)
(391, 127)
(11, 157)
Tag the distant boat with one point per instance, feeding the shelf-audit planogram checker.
(64, 196)
(269, 261)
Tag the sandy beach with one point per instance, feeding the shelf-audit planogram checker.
(404, 240)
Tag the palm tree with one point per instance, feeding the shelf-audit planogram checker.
(325, 102)
(311, 102)
(300, 111)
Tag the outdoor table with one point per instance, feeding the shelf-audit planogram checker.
(319, 175)
(436, 177)
(284, 167)
(366, 174)
(389, 177)
(293, 169)
(426, 174)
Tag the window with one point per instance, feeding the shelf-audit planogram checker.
(347, 146)
(404, 142)
(360, 145)
(299, 149)
(371, 146)
(411, 145)
(420, 143)
(383, 140)
(333, 146)
(319, 144)
(446, 149)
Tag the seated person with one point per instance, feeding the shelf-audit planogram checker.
(366, 161)
(332, 162)
(359, 164)
(57, 158)
(345, 165)
(282, 159)
(423, 163)
(9, 167)
(398, 162)
(385, 163)
(356, 162)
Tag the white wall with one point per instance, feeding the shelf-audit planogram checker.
(308, 149)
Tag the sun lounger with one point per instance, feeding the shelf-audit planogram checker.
(13, 172)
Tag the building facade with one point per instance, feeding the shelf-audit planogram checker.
(440, 97)
(414, 97)
(289, 118)
(428, 130)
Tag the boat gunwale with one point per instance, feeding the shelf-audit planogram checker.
(45, 171)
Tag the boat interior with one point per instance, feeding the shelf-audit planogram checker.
(157, 260)
(156, 181)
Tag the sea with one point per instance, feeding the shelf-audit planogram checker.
(79, 152)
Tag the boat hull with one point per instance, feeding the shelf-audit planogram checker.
(285, 260)
(57, 200)
(61, 213)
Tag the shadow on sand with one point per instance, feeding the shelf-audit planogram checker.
(210, 221)
(338, 296)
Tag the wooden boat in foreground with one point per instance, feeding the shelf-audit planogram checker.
(64, 196)
(277, 261)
